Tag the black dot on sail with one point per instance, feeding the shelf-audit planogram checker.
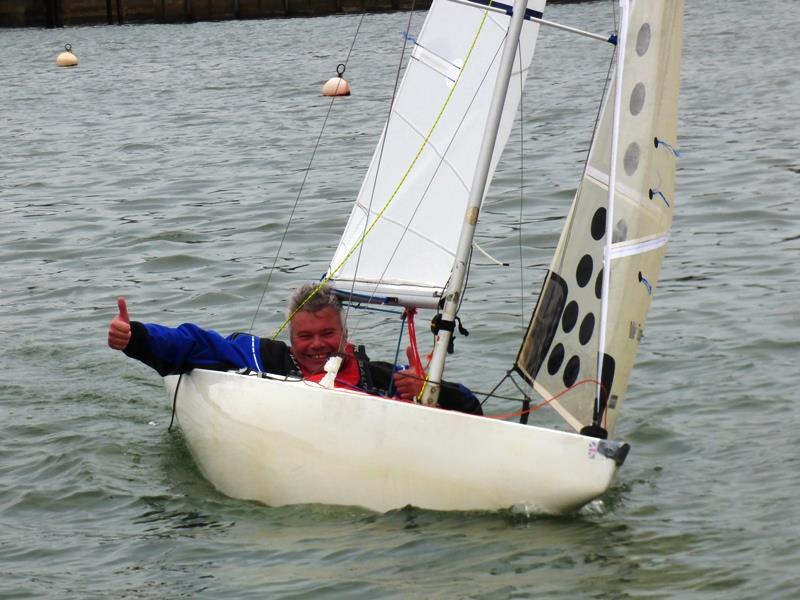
(584, 272)
(570, 316)
(571, 371)
(586, 330)
(599, 223)
(637, 98)
(631, 159)
(643, 39)
(555, 360)
(598, 285)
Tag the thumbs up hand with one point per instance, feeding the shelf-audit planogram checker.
(119, 331)
(409, 381)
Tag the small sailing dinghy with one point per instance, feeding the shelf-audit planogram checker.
(284, 442)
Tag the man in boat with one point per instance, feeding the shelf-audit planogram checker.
(317, 332)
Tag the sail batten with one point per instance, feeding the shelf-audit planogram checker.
(639, 246)
(440, 65)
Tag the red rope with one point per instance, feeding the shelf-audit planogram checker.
(549, 400)
(416, 362)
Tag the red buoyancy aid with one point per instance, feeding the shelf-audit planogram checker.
(349, 376)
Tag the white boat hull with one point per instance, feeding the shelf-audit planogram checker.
(295, 442)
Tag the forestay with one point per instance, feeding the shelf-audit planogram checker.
(400, 240)
(562, 343)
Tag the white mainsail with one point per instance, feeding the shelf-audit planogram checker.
(561, 346)
(399, 243)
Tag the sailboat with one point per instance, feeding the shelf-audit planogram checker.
(262, 437)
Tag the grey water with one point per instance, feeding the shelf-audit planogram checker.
(164, 168)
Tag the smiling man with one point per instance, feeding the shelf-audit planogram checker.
(317, 332)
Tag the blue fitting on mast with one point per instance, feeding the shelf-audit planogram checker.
(612, 39)
(652, 193)
(508, 9)
(646, 283)
(659, 142)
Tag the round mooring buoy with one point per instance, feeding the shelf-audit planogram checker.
(67, 58)
(336, 86)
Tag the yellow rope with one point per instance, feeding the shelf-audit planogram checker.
(379, 215)
(418, 397)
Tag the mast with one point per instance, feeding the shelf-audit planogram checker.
(455, 287)
(596, 428)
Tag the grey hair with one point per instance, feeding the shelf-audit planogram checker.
(323, 298)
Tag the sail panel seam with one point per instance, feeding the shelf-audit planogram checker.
(600, 178)
(622, 189)
(409, 229)
(429, 143)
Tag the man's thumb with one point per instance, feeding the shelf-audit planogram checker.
(410, 355)
(413, 360)
(123, 310)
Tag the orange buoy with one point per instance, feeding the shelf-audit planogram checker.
(336, 86)
(67, 58)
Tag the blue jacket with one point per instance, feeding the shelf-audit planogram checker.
(179, 350)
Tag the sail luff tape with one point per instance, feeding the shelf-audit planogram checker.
(612, 186)
(332, 273)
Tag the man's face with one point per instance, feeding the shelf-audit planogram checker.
(315, 337)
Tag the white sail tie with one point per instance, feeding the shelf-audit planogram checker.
(488, 256)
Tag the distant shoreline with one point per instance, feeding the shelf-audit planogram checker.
(66, 13)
